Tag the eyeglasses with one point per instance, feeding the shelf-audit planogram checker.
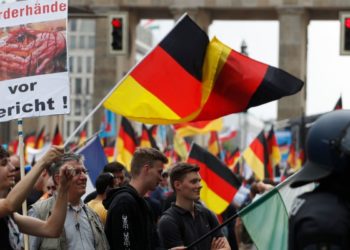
(75, 172)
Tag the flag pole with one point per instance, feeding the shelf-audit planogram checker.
(22, 163)
(113, 89)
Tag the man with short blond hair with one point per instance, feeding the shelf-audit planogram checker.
(130, 223)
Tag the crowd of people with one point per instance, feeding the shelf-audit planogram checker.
(152, 208)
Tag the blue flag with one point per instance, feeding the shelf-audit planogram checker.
(95, 158)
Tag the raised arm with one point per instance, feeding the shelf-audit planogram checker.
(54, 224)
(18, 194)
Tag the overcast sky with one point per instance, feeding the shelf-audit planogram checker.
(328, 74)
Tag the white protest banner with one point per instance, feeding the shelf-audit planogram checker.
(33, 59)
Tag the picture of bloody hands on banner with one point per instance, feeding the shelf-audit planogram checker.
(33, 49)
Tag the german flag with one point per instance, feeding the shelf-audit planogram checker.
(29, 140)
(214, 144)
(339, 104)
(40, 139)
(57, 137)
(232, 158)
(256, 156)
(211, 80)
(241, 83)
(219, 184)
(273, 149)
(200, 127)
(147, 137)
(166, 86)
(126, 143)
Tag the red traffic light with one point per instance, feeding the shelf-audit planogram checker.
(347, 23)
(117, 23)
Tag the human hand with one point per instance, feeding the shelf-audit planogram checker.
(65, 176)
(219, 243)
(53, 153)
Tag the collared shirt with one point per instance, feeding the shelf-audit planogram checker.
(177, 227)
(77, 229)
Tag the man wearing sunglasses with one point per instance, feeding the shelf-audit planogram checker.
(82, 228)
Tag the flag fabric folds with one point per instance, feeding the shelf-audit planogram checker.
(94, 157)
(256, 156)
(166, 86)
(186, 78)
(266, 219)
(242, 82)
(200, 127)
(126, 143)
(219, 184)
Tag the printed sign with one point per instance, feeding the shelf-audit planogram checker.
(33, 59)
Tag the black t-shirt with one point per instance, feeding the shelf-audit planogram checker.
(4, 235)
(177, 227)
(319, 220)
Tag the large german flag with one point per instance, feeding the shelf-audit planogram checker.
(126, 143)
(219, 183)
(186, 78)
(166, 86)
(242, 82)
(256, 156)
(147, 137)
(200, 127)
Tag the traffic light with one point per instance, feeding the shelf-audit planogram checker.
(118, 33)
(345, 33)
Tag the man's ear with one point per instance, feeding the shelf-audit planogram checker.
(177, 184)
(146, 168)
